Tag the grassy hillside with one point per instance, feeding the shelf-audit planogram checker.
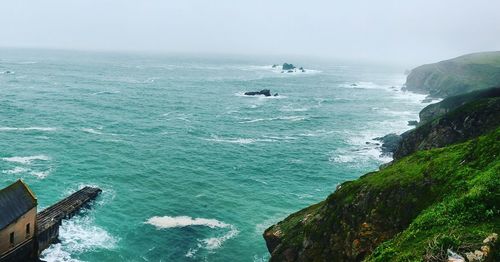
(467, 214)
(456, 76)
(419, 206)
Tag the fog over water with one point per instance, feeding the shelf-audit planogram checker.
(392, 31)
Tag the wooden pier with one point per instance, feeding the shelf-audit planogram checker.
(49, 220)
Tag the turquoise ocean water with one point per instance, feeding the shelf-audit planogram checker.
(191, 170)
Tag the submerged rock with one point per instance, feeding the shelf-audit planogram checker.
(264, 92)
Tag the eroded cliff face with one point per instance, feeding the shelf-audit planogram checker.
(465, 122)
(350, 223)
(456, 76)
(426, 194)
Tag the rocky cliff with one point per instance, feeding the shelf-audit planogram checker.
(456, 76)
(413, 210)
(433, 111)
(465, 122)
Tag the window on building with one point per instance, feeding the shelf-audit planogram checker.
(28, 230)
(12, 239)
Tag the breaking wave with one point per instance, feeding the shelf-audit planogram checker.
(209, 244)
(27, 160)
(78, 235)
(184, 221)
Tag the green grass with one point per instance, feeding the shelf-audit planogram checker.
(468, 212)
(420, 206)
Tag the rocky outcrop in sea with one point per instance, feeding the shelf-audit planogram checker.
(263, 92)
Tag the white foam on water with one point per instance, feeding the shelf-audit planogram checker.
(364, 85)
(358, 157)
(242, 141)
(216, 242)
(40, 174)
(191, 252)
(278, 69)
(261, 258)
(27, 169)
(238, 140)
(34, 128)
(284, 138)
(363, 145)
(209, 244)
(56, 253)
(414, 98)
(105, 93)
(298, 72)
(387, 111)
(91, 131)
(286, 118)
(15, 170)
(342, 158)
(78, 235)
(290, 108)
(27, 160)
(358, 150)
(316, 133)
(184, 221)
(81, 234)
(213, 243)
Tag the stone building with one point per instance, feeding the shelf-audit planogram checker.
(17, 222)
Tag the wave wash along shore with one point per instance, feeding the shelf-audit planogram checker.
(190, 168)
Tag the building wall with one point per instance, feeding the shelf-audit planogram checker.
(19, 229)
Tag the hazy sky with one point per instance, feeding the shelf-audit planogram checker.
(399, 30)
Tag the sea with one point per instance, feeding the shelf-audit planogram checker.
(191, 169)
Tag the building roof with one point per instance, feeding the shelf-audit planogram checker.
(15, 200)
